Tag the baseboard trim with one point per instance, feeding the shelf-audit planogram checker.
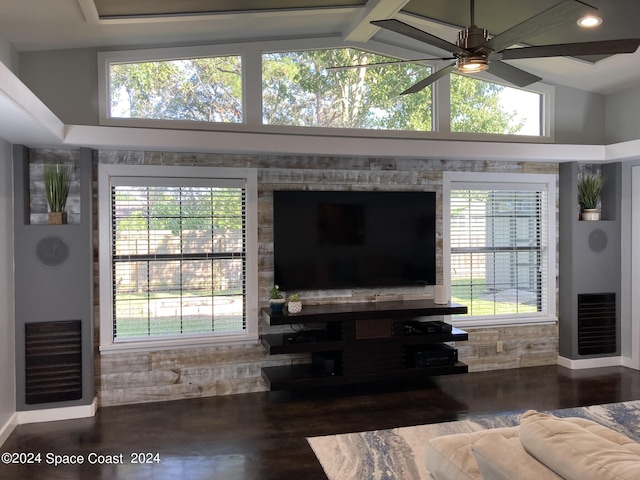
(590, 362)
(630, 363)
(55, 414)
(7, 428)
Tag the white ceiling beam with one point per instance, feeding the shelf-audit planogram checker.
(156, 139)
(24, 118)
(361, 30)
(89, 11)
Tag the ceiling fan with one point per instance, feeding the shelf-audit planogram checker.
(475, 51)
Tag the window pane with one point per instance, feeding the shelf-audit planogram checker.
(298, 90)
(198, 89)
(497, 251)
(178, 261)
(484, 107)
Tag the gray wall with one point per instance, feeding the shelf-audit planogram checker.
(9, 57)
(622, 115)
(579, 117)
(584, 269)
(629, 248)
(7, 355)
(67, 82)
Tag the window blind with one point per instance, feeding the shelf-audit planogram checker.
(178, 258)
(498, 250)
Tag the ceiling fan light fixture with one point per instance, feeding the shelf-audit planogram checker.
(589, 21)
(473, 64)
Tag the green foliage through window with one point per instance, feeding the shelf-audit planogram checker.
(198, 89)
(298, 90)
(478, 106)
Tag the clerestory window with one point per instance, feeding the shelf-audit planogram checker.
(276, 90)
(187, 89)
(299, 90)
(480, 106)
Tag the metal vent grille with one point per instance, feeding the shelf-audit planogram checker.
(597, 323)
(53, 361)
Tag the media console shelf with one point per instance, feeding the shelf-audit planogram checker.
(363, 342)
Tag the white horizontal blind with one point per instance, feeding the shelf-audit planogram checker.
(498, 250)
(178, 259)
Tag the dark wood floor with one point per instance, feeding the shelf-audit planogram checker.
(262, 435)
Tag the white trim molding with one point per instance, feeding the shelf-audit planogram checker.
(56, 414)
(7, 428)
(505, 181)
(584, 363)
(108, 175)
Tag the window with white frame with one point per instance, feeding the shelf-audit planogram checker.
(205, 89)
(480, 106)
(177, 253)
(282, 86)
(500, 245)
(299, 90)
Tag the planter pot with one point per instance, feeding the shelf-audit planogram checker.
(294, 307)
(276, 304)
(590, 215)
(57, 218)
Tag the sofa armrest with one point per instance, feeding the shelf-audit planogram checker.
(501, 458)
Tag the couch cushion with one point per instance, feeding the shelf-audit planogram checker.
(574, 452)
(607, 433)
(501, 458)
(449, 457)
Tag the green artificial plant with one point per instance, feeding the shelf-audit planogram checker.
(57, 179)
(275, 293)
(589, 189)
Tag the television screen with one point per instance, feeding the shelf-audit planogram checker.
(327, 240)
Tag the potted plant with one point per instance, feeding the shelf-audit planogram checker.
(57, 179)
(276, 299)
(589, 189)
(295, 304)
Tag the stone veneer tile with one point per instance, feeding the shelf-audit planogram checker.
(132, 380)
(154, 394)
(245, 385)
(215, 355)
(124, 362)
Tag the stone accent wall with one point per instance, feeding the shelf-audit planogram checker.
(522, 346)
(123, 378)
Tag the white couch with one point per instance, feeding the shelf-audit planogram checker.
(542, 447)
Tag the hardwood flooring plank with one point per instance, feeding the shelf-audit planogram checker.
(262, 436)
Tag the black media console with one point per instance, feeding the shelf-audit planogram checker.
(364, 342)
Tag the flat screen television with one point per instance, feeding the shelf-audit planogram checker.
(330, 240)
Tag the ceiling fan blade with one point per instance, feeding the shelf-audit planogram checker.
(407, 30)
(384, 64)
(512, 74)
(564, 12)
(425, 82)
(606, 47)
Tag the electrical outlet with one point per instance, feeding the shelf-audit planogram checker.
(499, 346)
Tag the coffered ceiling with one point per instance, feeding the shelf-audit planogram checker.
(111, 24)
(132, 8)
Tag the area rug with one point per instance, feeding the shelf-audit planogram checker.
(399, 453)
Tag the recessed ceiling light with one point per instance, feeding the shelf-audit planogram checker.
(589, 21)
